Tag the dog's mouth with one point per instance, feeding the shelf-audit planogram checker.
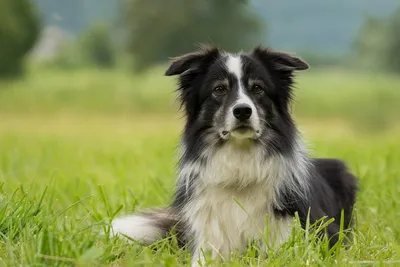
(242, 131)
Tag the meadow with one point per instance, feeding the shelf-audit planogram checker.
(79, 147)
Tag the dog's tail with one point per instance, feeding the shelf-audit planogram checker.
(147, 227)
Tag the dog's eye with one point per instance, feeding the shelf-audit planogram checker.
(219, 90)
(257, 89)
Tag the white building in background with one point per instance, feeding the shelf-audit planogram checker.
(50, 43)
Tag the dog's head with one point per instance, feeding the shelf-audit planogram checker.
(236, 97)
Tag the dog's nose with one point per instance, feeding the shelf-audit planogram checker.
(242, 112)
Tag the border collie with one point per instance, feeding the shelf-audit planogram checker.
(243, 165)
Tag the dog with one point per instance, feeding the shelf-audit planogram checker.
(243, 164)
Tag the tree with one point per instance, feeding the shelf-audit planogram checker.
(160, 29)
(97, 47)
(378, 43)
(370, 43)
(19, 29)
(393, 48)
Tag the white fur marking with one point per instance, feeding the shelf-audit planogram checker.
(136, 227)
(235, 65)
(185, 175)
(235, 195)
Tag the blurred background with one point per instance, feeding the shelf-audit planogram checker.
(81, 61)
(89, 123)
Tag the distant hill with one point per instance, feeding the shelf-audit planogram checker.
(318, 26)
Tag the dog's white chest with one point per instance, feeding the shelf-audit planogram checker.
(234, 201)
(226, 220)
(237, 167)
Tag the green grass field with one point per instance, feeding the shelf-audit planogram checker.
(78, 148)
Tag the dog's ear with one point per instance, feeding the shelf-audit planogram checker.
(192, 60)
(279, 61)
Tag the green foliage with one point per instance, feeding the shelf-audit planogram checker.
(160, 29)
(19, 29)
(378, 43)
(393, 51)
(305, 24)
(92, 48)
(98, 48)
(71, 160)
(64, 179)
(371, 43)
(69, 57)
(367, 100)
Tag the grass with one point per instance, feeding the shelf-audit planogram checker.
(365, 100)
(68, 168)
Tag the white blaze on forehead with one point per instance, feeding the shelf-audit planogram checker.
(235, 66)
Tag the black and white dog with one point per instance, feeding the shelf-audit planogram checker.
(243, 165)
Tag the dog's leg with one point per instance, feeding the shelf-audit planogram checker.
(277, 233)
(204, 248)
(199, 254)
(198, 257)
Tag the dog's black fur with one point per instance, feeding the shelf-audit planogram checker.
(212, 83)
